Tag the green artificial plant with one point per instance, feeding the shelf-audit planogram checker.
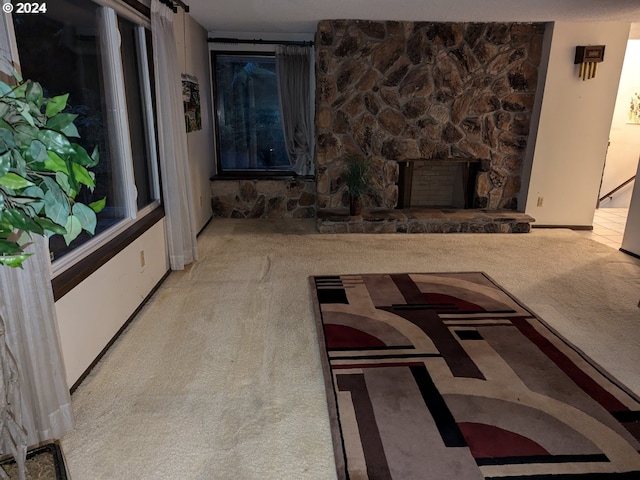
(357, 178)
(41, 171)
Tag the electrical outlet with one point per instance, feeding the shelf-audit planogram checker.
(142, 258)
(540, 201)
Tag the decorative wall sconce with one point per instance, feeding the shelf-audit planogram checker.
(588, 57)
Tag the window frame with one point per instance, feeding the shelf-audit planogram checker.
(239, 174)
(78, 264)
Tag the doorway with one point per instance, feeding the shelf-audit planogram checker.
(623, 153)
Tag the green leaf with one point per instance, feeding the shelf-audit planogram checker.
(26, 114)
(14, 261)
(63, 123)
(33, 192)
(56, 205)
(14, 181)
(56, 142)
(4, 88)
(25, 134)
(54, 163)
(82, 157)
(50, 185)
(37, 151)
(56, 105)
(95, 156)
(36, 195)
(7, 247)
(86, 216)
(34, 93)
(82, 175)
(50, 227)
(6, 138)
(21, 221)
(20, 90)
(98, 205)
(19, 163)
(73, 228)
(63, 180)
(5, 163)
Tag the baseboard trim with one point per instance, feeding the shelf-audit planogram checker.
(570, 227)
(118, 333)
(635, 255)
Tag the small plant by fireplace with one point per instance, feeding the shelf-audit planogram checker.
(357, 178)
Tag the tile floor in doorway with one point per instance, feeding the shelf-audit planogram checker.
(608, 226)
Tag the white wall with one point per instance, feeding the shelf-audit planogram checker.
(93, 312)
(631, 239)
(193, 56)
(624, 150)
(575, 119)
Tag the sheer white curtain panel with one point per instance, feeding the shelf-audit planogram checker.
(28, 310)
(172, 141)
(292, 69)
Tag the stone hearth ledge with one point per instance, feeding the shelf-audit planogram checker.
(417, 220)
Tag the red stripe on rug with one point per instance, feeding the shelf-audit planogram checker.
(342, 336)
(462, 305)
(489, 441)
(584, 381)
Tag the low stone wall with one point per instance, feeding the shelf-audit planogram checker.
(273, 198)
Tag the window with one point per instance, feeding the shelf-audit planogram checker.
(249, 129)
(101, 58)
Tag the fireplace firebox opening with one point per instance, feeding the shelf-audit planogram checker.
(438, 183)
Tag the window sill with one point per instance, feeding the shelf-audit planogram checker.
(70, 278)
(261, 176)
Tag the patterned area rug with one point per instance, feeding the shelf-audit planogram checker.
(43, 463)
(446, 376)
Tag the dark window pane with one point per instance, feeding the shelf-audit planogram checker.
(132, 62)
(61, 50)
(248, 114)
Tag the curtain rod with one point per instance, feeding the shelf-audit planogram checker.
(259, 41)
(174, 4)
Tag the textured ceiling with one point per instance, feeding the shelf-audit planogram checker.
(302, 16)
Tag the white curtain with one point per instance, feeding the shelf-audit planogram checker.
(172, 139)
(292, 69)
(28, 311)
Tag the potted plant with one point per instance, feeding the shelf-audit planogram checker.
(41, 173)
(357, 178)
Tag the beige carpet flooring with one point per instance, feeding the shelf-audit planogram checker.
(219, 376)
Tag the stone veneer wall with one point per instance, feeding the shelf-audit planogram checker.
(287, 198)
(415, 90)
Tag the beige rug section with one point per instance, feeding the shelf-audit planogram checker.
(219, 376)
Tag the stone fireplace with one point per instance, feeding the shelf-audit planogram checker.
(420, 98)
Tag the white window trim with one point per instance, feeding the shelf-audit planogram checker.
(120, 141)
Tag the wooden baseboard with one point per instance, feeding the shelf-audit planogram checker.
(570, 227)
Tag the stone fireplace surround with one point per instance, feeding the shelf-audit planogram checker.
(399, 91)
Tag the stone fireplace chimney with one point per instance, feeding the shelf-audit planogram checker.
(420, 92)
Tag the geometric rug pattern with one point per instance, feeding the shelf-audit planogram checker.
(445, 376)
